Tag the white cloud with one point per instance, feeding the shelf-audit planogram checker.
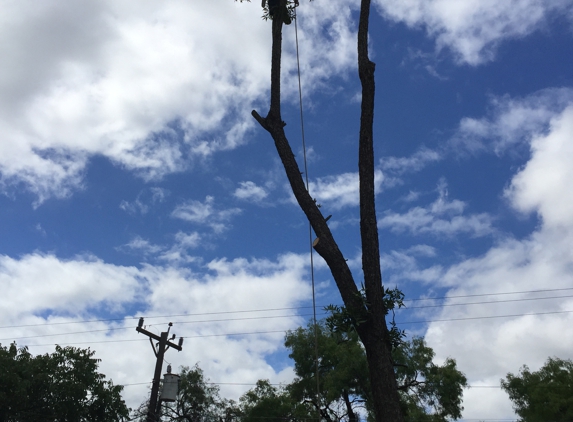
(232, 286)
(473, 29)
(540, 186)
(512, 121)
(158, 194)
(341, 190)
(47, 297)
(509, 123)
(204, 213)
(327, 46)
(178, 253)
(250, 191)
(141, 245)
(411, 196)
(442, 217)
(188, 240)
(400, 165)
(37, 283)
(151, 86)
(487, 349)
(402, 266)
(133, 207)
(144, 200)
(422, 250)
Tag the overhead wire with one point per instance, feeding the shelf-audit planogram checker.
(427, 321)
(443, 305)
(159, 316)
(489, 294)
(306, 307)
(315, 323)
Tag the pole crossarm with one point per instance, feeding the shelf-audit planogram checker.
(156, 337)
(162, 346)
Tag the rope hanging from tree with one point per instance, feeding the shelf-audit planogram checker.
(284, 11)
(309, 226)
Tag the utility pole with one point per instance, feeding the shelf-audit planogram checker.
(159, 351)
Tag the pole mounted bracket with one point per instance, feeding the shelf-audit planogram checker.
(156, 337)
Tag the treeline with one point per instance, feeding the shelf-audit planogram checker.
(429, 392)
(65, 386)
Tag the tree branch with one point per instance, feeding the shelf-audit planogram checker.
(325, 245)
(370, 313)
(368, 222)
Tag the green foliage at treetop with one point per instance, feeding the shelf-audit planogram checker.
(197, 401)
(544, 395)
(63, 386)
(429, 392)
(267, 402)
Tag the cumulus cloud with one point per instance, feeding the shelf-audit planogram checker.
(140, 245)
(509, 123)
(395, 167)
(178, 253)
(399, 266)
(442, 217)
(341, 190)
(151, 87)
(417, 161)
(541, 184)
(36, 283)
(205, 213)
(327, 46)
(486, 351)
(472, 29)
(512, 121)
(229, 311)
(250, 191)
(175, 254)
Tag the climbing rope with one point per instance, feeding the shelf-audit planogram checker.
(315, 325)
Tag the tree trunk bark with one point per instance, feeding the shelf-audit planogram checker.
(371, 314)
(349, 410)
(374, 334)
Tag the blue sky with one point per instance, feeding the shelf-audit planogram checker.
(135, 182)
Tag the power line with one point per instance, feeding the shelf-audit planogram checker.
(245, 319)
(86, 342)
(157, 316)
(121, 341)
(483, 317)
(490, 294)
(283, 331)
(485, 302)
(175, 322)
(65, 334)
(310, 307)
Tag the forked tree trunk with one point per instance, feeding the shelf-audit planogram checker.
(371, 313)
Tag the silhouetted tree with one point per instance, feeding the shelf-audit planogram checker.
(544, 395)
(63, 386)
(368, 310)
(428, 392)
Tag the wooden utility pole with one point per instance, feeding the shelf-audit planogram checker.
(159, 351)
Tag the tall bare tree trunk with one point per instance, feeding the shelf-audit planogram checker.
(371, 313)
